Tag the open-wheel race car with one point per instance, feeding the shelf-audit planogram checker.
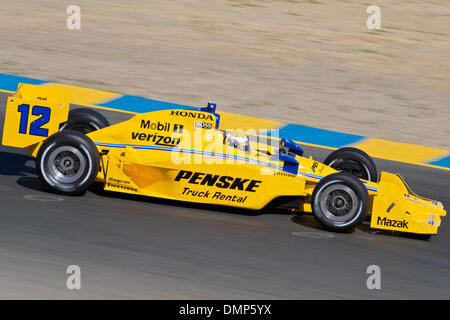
(184, 155)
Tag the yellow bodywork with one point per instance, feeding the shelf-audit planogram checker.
(181, 155)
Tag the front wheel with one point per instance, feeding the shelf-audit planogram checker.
(340, 202)
(354, 161)
(68, 162)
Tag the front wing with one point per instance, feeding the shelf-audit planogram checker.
(397, 208)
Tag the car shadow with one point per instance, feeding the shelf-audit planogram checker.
(14, 164)
(309, 221)
(23, 166)
(33, 183)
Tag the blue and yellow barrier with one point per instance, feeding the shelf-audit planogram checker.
(378, 148)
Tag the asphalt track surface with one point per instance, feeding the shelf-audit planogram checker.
(142, 248)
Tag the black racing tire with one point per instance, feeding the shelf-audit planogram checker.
(354, 161)
(68, 162)
(340, 202)
(85, 120)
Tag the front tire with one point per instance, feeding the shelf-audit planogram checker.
(68, 162)
(354, 161)
(340, 202)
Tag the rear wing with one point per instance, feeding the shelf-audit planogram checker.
(33, 114)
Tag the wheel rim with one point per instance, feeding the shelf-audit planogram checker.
(339, 203)
(355, 168)
(65, 165)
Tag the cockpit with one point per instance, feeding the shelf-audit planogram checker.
(237, 140)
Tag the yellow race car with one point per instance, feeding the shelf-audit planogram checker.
(183, 155)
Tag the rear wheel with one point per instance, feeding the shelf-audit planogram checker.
(85, 120)
(340, 202)
(68, 162)
(354, 161)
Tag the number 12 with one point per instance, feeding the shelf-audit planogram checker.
(35, 126)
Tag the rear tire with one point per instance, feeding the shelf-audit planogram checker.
(340, 202)
(354, 161)
(85, 120)
(68, 162)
